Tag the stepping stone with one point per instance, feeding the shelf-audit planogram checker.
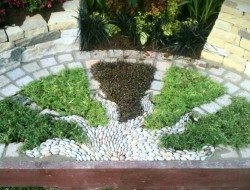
(14, 33)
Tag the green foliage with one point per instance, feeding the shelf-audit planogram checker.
(67, 93)
(230, 126)
(183, 90)
(20, 124)
(202, 10)
(189, 37)
(94, 29)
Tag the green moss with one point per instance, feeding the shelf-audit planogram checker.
(20, 124)
(67, 93)
(230, 126)
(125, 84)
(183, 90)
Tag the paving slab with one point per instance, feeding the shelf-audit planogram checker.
(31, 67)
(48, 62)
(244, 94)
(74, 65)
(65, 58)
(217, 71)
(232, 77)
(231, 88)
(4, 80)
(224, 100)
(15, 74)
(9, 90)
(82, 55)
(156, 85)
(24, 81)
(211, 107)
(41, 73)
(14, 33)
(245, 84)
(57, 69)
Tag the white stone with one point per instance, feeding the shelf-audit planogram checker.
(13, 149)
(3, 36)
(211, 107)
(31, 67)
(2, 147)
(224, 100)
(71, 5)
(245, 84)
(216, 50)
(56, 69)
(74, 65)
(47, 62)
(14, 33)
(70, 33)
(231, 88)
(34, 25)
(40, 74)
(62, 21)
(247, 69)
(65, 58)
(3, 81)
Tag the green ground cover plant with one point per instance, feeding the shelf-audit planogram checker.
(125, 84)
(230, 126)
(21, 124)
(183, 90)
(67, 93)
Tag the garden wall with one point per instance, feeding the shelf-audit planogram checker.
(229, 40)
(36, 30)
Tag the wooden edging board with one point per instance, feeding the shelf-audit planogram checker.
(127, 175)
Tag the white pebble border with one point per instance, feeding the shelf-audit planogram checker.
(120, 140)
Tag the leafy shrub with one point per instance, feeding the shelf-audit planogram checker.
(202, 10)
(230, 126)
(188, 39)
(94, 29)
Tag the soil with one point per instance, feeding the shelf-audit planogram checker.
(125, 84)
(16, 16)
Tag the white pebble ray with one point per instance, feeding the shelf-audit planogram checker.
(120, 140)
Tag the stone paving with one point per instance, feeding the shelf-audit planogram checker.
(51, 57)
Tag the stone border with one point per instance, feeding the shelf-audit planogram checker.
(36, 30)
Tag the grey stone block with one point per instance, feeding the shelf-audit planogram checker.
(2, 147)
(199, 110)
(245, 84)
(65, 58)
(74, 65)
(216, 78)
(41, 73)
(3, 36)
(244, 94)
(6, 46)
(163, 65)
(99, 54)
(34, 25)
(24, 81)
(233, 77)
(156, 85)
(227, 152)
(245, 152)
(15, 74)
(48, 62)
(31, 67)
(62, 20)
(115, 53)
(14, 33)
(13, 150)
(224, 100)
(71, 5)
(57, 69)
(211, 107)
(3, 81)
(231, 88)
(159, 75)
(9, 90)
(70, 33)
(41, 38)
(217, 71)
(82, 55)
